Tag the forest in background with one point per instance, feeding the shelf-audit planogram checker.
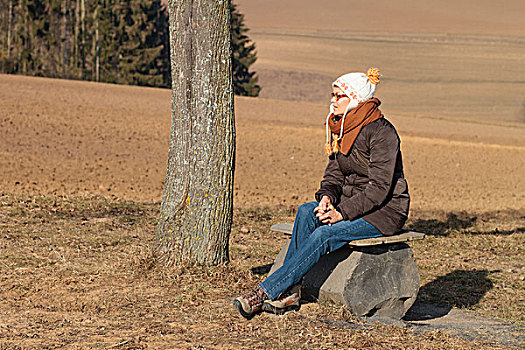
(112, 41)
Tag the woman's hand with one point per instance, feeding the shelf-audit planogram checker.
(324, 206)
(326, 212)
(330, 217)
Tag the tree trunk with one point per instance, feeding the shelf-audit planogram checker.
(96, 49)
(197, 203)
(64, 39)
(76, 37)
(82, 39)
(28, 39)
(9, 25)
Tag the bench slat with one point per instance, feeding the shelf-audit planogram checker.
(283, 228)
(404, 236)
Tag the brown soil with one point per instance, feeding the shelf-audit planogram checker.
(462, 58)
(67, 137)
(474, 17)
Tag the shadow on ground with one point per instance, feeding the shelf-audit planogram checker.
(458, 222)
(460, 289)
(499, 232)
(262, 270)
(435, 227)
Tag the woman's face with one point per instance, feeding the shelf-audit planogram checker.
(339, 101)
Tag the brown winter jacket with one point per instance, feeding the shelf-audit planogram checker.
(369, 182)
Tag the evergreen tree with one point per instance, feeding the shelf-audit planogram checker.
(143, 47)
(112, 28)
(114, 41)
(243, 56)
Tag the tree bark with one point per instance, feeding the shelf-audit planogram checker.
(82, 38)
(96, 48)
(28, 38)
(197, 203)
(76, 36)
(9, 25)
(64, 62)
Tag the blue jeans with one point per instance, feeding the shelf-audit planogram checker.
(310, 240)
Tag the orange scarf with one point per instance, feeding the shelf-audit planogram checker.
(364, 114)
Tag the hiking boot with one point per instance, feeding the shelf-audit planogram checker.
(290, 300)
(251, 304)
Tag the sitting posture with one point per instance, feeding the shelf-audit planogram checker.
(363, 193)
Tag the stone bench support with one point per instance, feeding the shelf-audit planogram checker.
(372, 277)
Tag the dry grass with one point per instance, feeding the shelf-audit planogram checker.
(77, 272)
(474, 262)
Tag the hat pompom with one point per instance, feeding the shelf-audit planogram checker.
(373, 75)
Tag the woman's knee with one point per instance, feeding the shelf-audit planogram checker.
(326, 238)
(322, 234)
(307, 209)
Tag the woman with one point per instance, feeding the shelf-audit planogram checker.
(363, 193)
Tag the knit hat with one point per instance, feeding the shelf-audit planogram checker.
(359, 87)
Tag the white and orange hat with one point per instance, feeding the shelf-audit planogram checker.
(359, 87)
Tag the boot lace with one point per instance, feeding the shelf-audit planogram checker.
(256, 297)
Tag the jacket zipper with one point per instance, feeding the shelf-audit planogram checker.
(360, 158)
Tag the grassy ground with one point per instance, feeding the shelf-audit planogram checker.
(474, 262)
(77, 272)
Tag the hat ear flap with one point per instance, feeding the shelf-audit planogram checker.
(351, 105)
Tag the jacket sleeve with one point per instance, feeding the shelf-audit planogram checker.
(384, 148)
(332, 183)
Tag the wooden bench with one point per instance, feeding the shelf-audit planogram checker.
(372, 277)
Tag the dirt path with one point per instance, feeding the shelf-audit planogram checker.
(464, 324)
(423, 317)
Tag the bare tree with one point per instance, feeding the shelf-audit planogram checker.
(76, 35)
(9, 26)
(197, 203)
(96, 47)
(83, 38)
(64, 39)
